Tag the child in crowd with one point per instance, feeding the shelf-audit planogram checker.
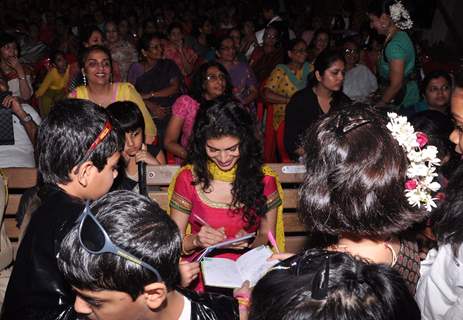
(319, 284)
(139, 280)
(53, 87)
(78, 151)
(129, 118)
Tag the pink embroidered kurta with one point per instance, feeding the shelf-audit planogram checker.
(191, 200)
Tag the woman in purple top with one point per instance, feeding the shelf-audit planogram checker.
(242, 77)
(209, 82)
(159, 81)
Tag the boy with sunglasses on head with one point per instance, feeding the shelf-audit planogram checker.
(122, 261)
(78, 151)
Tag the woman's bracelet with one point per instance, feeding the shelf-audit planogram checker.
(185, 252)
(243, 303)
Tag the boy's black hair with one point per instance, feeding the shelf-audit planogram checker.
(319, 284)
(127, 116)
(137, 225)
(67, 133)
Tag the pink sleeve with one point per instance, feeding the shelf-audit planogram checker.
(73, 94)
(183, 192)
(182, 106)
(271, 193)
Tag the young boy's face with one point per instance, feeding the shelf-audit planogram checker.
(133, 142)
(99, 182)
(110, 305)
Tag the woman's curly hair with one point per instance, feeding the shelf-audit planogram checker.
(220, 118)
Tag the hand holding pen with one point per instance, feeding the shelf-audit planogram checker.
(208, 236)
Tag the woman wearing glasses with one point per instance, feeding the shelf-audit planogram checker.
(99, 88)
(359, 81)
(264, 59)
(209, 82)
(286, 79)
(242, 77)
(225, 191)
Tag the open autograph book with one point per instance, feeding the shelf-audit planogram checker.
(226, 273)
(222, 244)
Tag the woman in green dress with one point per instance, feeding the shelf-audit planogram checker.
(396, 66)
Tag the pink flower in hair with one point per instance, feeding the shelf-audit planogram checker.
(411, 184)
(422, 139)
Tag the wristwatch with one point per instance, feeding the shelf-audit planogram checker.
(26, 118)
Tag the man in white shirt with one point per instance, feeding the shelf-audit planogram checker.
(269, 11)
(25, 123)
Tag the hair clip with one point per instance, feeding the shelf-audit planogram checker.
(320, 282)
(346, 124)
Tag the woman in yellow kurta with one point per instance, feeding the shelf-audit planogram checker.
(99, 88)
(286, 79)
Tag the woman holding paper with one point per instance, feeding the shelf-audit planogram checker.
(225, 191)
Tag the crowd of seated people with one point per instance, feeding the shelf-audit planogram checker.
(112, 85)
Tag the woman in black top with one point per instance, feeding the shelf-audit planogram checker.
(322, 94)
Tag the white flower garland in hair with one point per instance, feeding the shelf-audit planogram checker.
(423, 161)
(400, 16)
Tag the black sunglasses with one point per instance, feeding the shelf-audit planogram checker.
(95, 240)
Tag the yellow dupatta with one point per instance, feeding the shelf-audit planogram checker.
(266, 170)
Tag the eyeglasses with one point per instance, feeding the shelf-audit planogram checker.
(95, 240)
(303, 264)
(350, 51)
(99, 139)
(434, 89)
(215, 77)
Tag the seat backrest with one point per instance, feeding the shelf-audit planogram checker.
(290, 176)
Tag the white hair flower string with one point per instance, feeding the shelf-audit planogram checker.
(421, 172)
(400, 16)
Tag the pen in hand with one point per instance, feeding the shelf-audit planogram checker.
(272, 241)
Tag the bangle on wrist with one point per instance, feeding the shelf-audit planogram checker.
(184, 251)
(243, 303)
(22, 78)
